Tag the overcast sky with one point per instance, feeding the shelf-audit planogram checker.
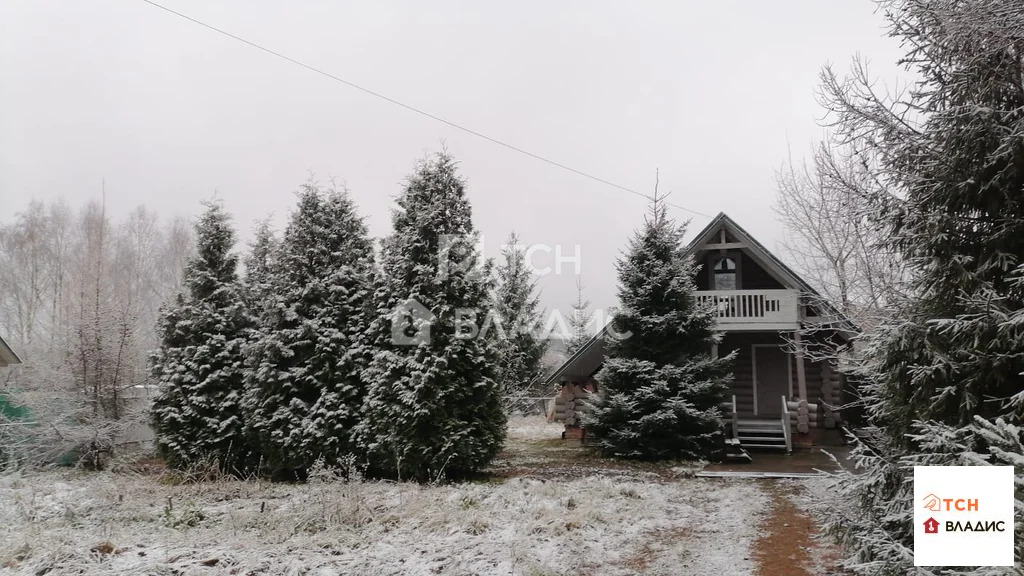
(714, 94)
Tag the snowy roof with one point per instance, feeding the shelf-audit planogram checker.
(7, 356)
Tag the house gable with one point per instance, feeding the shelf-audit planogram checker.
(757, 267)
(753, 275)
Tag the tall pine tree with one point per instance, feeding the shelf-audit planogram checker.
(943, 377)
(433, 408)
(660, 386)
(197, 415)
(304, 389)
(517, 305)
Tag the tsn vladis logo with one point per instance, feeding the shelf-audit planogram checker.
(963, 516)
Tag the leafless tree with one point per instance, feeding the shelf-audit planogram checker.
(22, 247)
(827, 205)
(79, 298)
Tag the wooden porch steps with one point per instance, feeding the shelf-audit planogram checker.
(734, 451)
(767, 434)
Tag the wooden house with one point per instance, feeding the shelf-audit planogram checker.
(786, 388)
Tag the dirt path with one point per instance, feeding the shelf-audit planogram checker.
(789, 544)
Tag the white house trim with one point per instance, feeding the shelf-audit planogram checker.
(725, 246)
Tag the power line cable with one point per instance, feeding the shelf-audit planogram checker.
(410, 107)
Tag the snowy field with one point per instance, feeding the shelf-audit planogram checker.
(587, 519)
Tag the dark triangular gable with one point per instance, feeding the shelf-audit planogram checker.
(734, 233)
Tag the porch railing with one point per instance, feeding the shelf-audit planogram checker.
(786, 431)
(735, 419)
(751, 306)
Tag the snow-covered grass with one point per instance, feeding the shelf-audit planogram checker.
(533, 428)
(64, 522)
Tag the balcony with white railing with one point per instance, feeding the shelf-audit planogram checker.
(753, 309)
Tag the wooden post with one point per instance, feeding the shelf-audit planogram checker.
(801, 376)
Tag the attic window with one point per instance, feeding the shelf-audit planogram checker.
(725, 274)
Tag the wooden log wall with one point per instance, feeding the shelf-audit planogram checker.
(831, 395)
(743, 366)
(824, 388)
(568, 403)
(803, 415)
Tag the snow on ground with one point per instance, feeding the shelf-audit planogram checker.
(71, 522)
(533, 428)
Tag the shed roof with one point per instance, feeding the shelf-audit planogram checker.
(7, 355)
(585, 362)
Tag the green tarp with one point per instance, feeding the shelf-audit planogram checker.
(11, 411)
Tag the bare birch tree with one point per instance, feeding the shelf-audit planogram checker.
(826, 205)
(79, 295)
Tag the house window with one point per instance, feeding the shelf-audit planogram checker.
(725, 274)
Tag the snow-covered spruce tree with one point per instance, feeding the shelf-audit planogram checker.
(198, 366)
(517, 306)
(949, 364)
(259, 266)
(660, 387)
(304, 389)
(580, 322)
(434, 408)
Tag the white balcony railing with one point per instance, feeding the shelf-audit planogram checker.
(752, 306)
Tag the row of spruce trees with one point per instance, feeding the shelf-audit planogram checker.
(296, 363)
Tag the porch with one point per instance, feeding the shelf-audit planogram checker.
(779, 399)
